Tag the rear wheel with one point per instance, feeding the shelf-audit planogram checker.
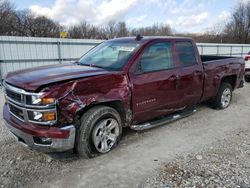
(100, 131)
(247, 79)
(223, 97)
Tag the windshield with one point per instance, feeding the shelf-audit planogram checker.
(112, 55)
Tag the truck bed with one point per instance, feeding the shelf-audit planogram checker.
(216, 67)
(209, 58)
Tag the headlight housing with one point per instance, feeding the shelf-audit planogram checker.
(39, 100)
(46, 113)
(30, 107)
(42, 116)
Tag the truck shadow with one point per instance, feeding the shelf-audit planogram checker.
(72, 156)
(129, 136)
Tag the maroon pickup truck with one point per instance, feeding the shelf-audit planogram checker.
(137, 82)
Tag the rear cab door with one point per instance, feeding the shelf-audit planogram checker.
(190, 72)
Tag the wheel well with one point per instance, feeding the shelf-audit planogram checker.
(230, 79)
(117, 105)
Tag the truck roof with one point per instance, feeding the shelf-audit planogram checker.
(149, 38)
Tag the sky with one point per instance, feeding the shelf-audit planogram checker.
(196, 16)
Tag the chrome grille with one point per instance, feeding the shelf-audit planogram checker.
(19, 104)
(17, 112)
(17, 97)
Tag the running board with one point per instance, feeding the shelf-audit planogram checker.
(167, 119)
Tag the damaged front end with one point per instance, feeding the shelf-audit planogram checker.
(74, 97)
(48, 120)
(32, 118)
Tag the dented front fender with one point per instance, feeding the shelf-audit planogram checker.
(75, 95)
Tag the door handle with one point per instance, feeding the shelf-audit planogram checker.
(197, 73)
(177, 79)
(174, 77)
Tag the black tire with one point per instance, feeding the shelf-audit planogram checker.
(247, 79)
(217, 101)
(84, 142)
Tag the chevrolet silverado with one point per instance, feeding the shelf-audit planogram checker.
(137, 82)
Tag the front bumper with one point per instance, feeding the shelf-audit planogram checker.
(60, 139)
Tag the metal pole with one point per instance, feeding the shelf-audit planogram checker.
(217, 49)
(242, 51)
(59, 51)
(231, 50)
(1, 77)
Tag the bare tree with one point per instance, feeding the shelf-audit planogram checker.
(110, 29)
(122, 30)
(238, 28)
(24, 23)
(7, 13)
(235, 30)
(159, 30)
(85, 30)
(42, 26)
(27, 24)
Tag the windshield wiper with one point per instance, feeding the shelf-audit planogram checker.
(76, 62)
(90, 65)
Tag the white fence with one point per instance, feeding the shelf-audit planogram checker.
(223, 49)
(24, 52)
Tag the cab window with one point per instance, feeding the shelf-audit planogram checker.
(157, 57)
(186, 54)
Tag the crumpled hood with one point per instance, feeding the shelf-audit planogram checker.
(33, 78)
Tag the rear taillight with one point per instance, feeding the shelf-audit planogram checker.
(247, 58)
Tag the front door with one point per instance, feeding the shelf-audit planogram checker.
(154, 82)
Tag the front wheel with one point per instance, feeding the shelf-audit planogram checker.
(100, 131)
(223, 97)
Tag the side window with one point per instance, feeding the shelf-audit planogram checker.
(157, 57)
(185, 51)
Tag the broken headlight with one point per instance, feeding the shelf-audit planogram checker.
(39, 100)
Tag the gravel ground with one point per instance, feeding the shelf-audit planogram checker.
(20, 165)
(224, 164)
(209, 148)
